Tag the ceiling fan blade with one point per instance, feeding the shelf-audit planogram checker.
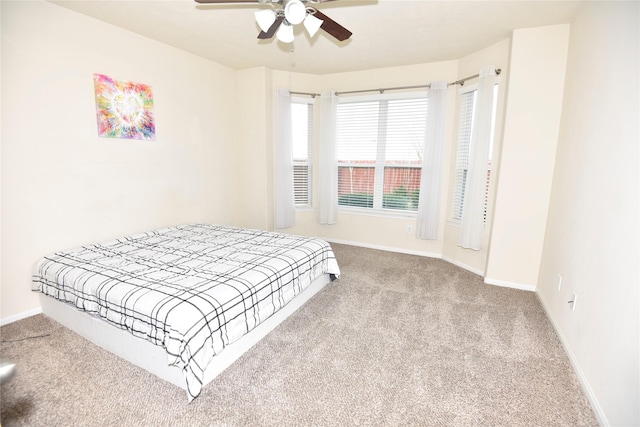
(272, 29)
(332, 27)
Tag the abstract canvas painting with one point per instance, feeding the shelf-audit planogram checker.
(124, 109)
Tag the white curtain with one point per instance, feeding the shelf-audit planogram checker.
(472, 222)
(431, 177)
(285, 208)
(327, 160)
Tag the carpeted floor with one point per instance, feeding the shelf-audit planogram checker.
(398, 340)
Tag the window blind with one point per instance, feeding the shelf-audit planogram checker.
(465, 126)
(380, 146)
(302, 136)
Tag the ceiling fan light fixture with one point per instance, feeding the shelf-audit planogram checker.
(265, 19)
(295, 12)
(285, 33)
(312, 24)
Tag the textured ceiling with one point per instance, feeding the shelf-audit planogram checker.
(385, 32)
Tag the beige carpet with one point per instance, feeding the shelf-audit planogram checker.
(398, 340)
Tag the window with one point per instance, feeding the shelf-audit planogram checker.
(380, 143)
(465, 126)
(302, 131)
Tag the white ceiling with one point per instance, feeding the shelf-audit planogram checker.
(385, 32)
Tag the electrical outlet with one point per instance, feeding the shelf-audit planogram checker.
(559, 282)
(572, 302)
(409, 229)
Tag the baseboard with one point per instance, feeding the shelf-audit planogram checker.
(584, 382)
(507, 284)
(464, 266)
(502, 283)
(384, 248)
(20, 316)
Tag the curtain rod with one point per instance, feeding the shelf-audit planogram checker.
(461, 81)
(313, 95)
(382, 90)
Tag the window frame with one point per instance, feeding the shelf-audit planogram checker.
(308, 163)
(457, 203)
(379, 166)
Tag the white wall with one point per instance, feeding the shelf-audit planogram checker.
(532, 118)
(62, 185)
(592, 229)
(254, 147)
(1, 169)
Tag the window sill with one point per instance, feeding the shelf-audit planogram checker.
(378, 213)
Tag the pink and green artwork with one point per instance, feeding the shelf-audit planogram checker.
(124, 109)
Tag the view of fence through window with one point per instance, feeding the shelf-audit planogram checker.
(380, 149)
(401, 186)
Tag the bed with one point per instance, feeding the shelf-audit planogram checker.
(183, 302)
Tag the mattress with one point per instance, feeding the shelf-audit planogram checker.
(192, 289)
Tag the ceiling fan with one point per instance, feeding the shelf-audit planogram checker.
(279, 21)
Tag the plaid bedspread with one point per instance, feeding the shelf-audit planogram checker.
(192, 289)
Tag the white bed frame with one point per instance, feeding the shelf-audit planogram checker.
(153, 358)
